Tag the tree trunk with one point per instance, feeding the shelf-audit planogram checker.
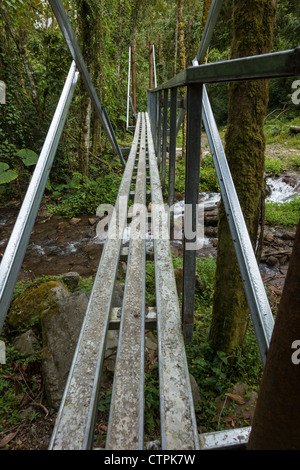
(182, 66)
(245, 145)
(276, 424)
(98, 80)
(87, 27)
(22, 51)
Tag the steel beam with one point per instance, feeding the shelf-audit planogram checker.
(192, 170)
(210, 24)
(264, 66)
(164, 140)
(71, 41)
(17, 245)
(172, 156)
(259, 307)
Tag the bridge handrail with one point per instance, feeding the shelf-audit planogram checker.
(18, 241)
(271, 65)
(17, 244)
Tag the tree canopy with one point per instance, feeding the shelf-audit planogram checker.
(34, 61)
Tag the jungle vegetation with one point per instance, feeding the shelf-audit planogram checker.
(34, 62)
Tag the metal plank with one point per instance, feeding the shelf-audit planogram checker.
(126, 418)
(74, 425)
(178, 421)
(16, 247)
(231, 439)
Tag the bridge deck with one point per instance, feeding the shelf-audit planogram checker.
(74, 426)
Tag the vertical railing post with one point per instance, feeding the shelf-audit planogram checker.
(172, 157)
(149, 104)
(156, 122)
(150, 110)
(192, 170)
(133, 81)
(154, 116)
(150, 65)
(128, 89)
(158, 129)
(164, 140)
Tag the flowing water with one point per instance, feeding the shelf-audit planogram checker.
(58, 245)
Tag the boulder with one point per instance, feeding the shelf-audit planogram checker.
(71, 279)
(211, 217)
(289, 235)
(26, 343)
(271, 261)
(74, 221)
(36, 302)
(60, 334)
(195, 390)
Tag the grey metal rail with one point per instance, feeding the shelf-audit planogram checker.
(76, 417)
(209, 27)
(126, 419)
(70, 38)
(272, 65)
(279, 64)
(17, 244)
(257, 299)
(178, 421)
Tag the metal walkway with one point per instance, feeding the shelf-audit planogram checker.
(75, 421)
(74, 428)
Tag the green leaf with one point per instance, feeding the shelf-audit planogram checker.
(28, 156)
(3, 167)
(8, 176)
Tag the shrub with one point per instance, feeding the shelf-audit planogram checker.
(285, 214)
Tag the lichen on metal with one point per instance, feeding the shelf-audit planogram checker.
(74, 424)
(178, 422)
(126, 419)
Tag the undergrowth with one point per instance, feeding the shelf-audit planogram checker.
(21, 381)
(82, 194)
(285, 214)
(215, 372)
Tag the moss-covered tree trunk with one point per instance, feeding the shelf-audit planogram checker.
(86, 21)
(182, 65)
(253, 26)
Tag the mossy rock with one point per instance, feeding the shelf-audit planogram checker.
(36, 302)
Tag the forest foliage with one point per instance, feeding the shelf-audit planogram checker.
(34, 62)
